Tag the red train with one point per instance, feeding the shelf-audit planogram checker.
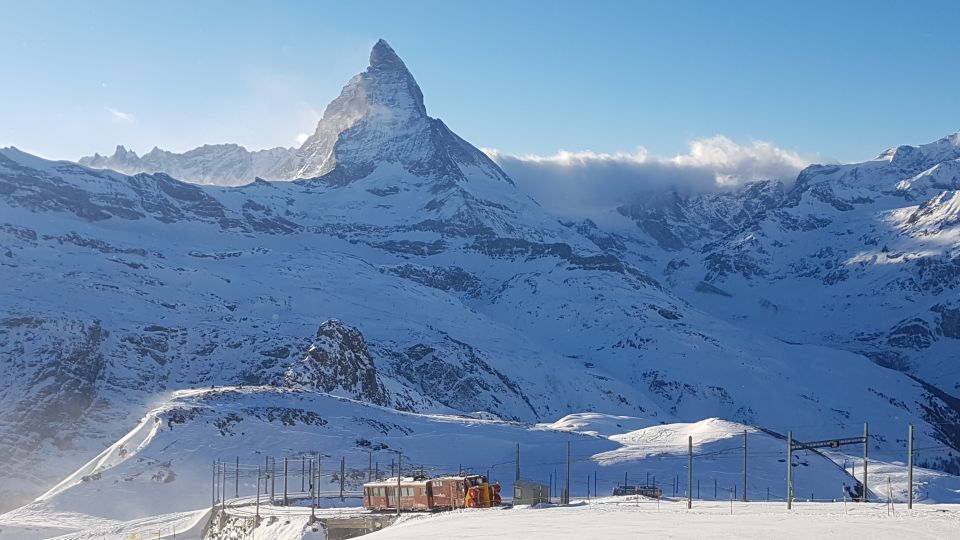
(432, 494)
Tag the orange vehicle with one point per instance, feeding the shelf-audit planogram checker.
(431, 494)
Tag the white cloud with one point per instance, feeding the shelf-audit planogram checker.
(734, 164)
(302, 137)
(120, 117)
(587, 184)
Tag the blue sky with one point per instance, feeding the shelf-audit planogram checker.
(839, 80)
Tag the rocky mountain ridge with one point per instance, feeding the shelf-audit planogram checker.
(863, 256)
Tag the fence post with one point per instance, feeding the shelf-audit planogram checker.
(866, 444)
(910, 468)
(789, 470)
(744, 465)
(690, 472)
(213, 491)
(343, 473)
(516, 475)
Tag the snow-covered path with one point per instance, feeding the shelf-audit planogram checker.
(608, 519)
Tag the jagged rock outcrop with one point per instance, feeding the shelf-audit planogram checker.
(338, 362)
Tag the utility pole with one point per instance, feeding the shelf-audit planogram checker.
(273, 480)
(313, 492)
(369, 466)
(213, 486)
(284, 480)
(910, 468)
(789, 470)
(303, 471)
(690, 472)
(595, 494)
(566, 489)
(343, 472)
(517, 471)
(223, 487)
(866, 444)
(236, 479)
(399, 461)
(318, 479)
(744, 465)
(256, 515)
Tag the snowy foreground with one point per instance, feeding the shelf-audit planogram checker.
(155, 480)
(610, 517)
(617, 519)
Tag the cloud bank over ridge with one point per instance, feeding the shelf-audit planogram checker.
(587, 184)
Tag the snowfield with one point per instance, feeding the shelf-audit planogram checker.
(162, 468)
(613, 518)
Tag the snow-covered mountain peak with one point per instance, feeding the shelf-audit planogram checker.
(122, 152)
(384, 58)
(383, 110)
(924, 155)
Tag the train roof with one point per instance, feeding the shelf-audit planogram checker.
(392, 482)
(419, 481)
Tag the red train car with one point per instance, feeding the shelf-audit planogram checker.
(431, 494)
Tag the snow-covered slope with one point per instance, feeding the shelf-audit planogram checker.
(412, 274)
(670, 520)
(864, 257)
(154, 468)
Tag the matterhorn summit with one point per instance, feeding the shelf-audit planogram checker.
(383, 103)
(380, 117)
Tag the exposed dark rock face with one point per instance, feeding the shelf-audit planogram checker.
(949, 324)
(455, 374)
(451, 278)
(338, 362)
